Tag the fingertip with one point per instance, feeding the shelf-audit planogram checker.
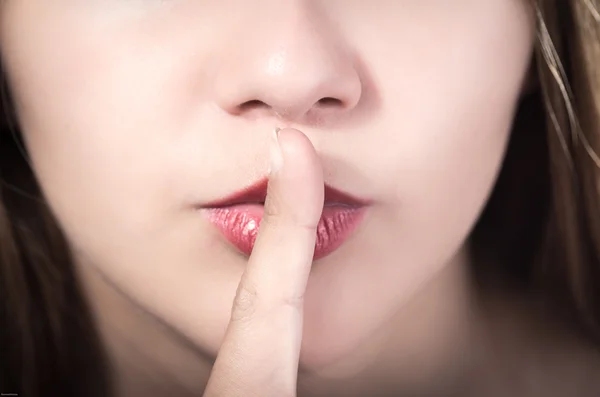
(294, 143)
(300, 182)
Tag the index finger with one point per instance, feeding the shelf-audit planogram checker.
(260, 353)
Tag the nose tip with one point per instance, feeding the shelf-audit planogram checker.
(304, 77)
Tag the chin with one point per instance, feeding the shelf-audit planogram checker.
(334, 350)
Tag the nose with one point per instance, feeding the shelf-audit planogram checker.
(296, 70)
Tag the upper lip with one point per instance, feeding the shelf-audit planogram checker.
(257, 192)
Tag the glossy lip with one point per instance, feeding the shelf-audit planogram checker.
(257, 193)
(238, 217)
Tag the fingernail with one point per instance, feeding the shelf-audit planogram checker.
(275, 153)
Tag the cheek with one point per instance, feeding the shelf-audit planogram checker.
(448, 118)
(105, 161)
(450, 143)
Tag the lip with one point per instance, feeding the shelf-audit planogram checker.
(238, 217)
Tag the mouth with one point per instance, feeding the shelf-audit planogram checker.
(238, 216)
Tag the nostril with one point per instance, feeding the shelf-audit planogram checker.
(253, 104)
(329, 102)
(257, 105)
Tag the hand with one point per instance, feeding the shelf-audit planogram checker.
(260, 353)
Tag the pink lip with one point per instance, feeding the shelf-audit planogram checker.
(238, 218)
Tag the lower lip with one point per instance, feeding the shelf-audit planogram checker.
(239, 224)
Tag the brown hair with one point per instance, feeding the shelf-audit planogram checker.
(542, 221)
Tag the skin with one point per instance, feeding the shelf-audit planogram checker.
(132, 115)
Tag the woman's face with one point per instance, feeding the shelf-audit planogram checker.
(135, 113)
